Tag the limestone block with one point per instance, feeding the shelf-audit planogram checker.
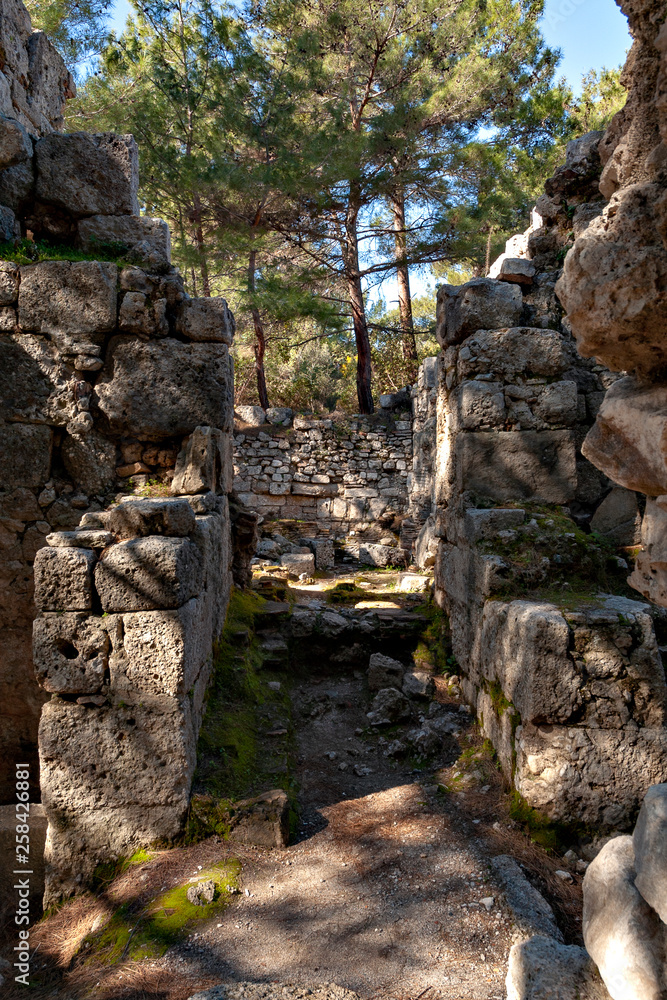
(384, 672)
(481, 524)
(70, 652)
(64, 579)
(623, 935)
(418, 684)
(138, 376)
(151, 516)
(524, 351)
(280, 416)
(9, 283)
(90, 459)
(206, 320)
(161, 652)
(127, 229)
(542, 968)
(298, 564)
(517, 465)
(650, 850)
(145, 573)
(137, 314)
(15, 143)
(628, 440)
(254, 416)
(593, 776)
(614, 284)
(324, 553)
(25, 455)
(83, 538)
(517, 270)
(388, 706)
(72, 299)
(88, 174)
(475, 405)
(617, 518)
(203, 465)
(530, 910)
(557, 404)
(523, 647)
(480, 304)
(35, 384)
(51, 83)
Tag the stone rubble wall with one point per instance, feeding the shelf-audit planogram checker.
(614, 289)
(336, 475)
(571, 693)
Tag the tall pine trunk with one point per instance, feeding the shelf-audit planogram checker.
(351, 263)
(408, 341)
(260, 345)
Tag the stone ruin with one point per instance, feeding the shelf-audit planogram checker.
(116, 524)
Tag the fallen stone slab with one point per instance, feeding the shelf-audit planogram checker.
(650, 846)
(542, 968)
(298, 563)
(384, 672)
(532, 914)
(388, 706)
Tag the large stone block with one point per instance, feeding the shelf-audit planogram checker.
(650, 850)
(623, 935)
(146, 573)
(161, 652)
(151, 516)
(64, 579)
(90, 459)
(628, 440)
(480, 304)
(25, 455)
(15, 143)
(593, 776)
(617, 518)
(69, 299)
(477, 406)
(206, 320)
(89, 174)
(138, 377)
(126, 229)
(384, 672)
(523, 647)
(523, 351)
(70, 652)
(649, 575)
(517, 465)
(17, 186)
(35, 385)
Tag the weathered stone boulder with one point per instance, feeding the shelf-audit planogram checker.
(298, 563)
(145, 573)
(480, 304)
(517, 270)
(89, 174)
(25, 454)
(90, 459)
(517, 465)
(15, 143)
(263, 820)
(130, 391)
(384, 672)
(649, 575)
(388, 706)
(373, 554)
(506, 352)
(205, 463)
(254, 416)
(628, 438)
(418, 684)
(623, 935)
(617, 518)
(542, 968)
(650, 850)
(279, 416)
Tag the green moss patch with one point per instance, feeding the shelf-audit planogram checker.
(31, 252)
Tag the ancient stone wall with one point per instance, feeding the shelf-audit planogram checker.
(114, 384)
(337, 477)
(564, 674)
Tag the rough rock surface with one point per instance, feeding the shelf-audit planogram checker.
(542, 968)
(274, 991)
(650, 850)
(89, 174)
